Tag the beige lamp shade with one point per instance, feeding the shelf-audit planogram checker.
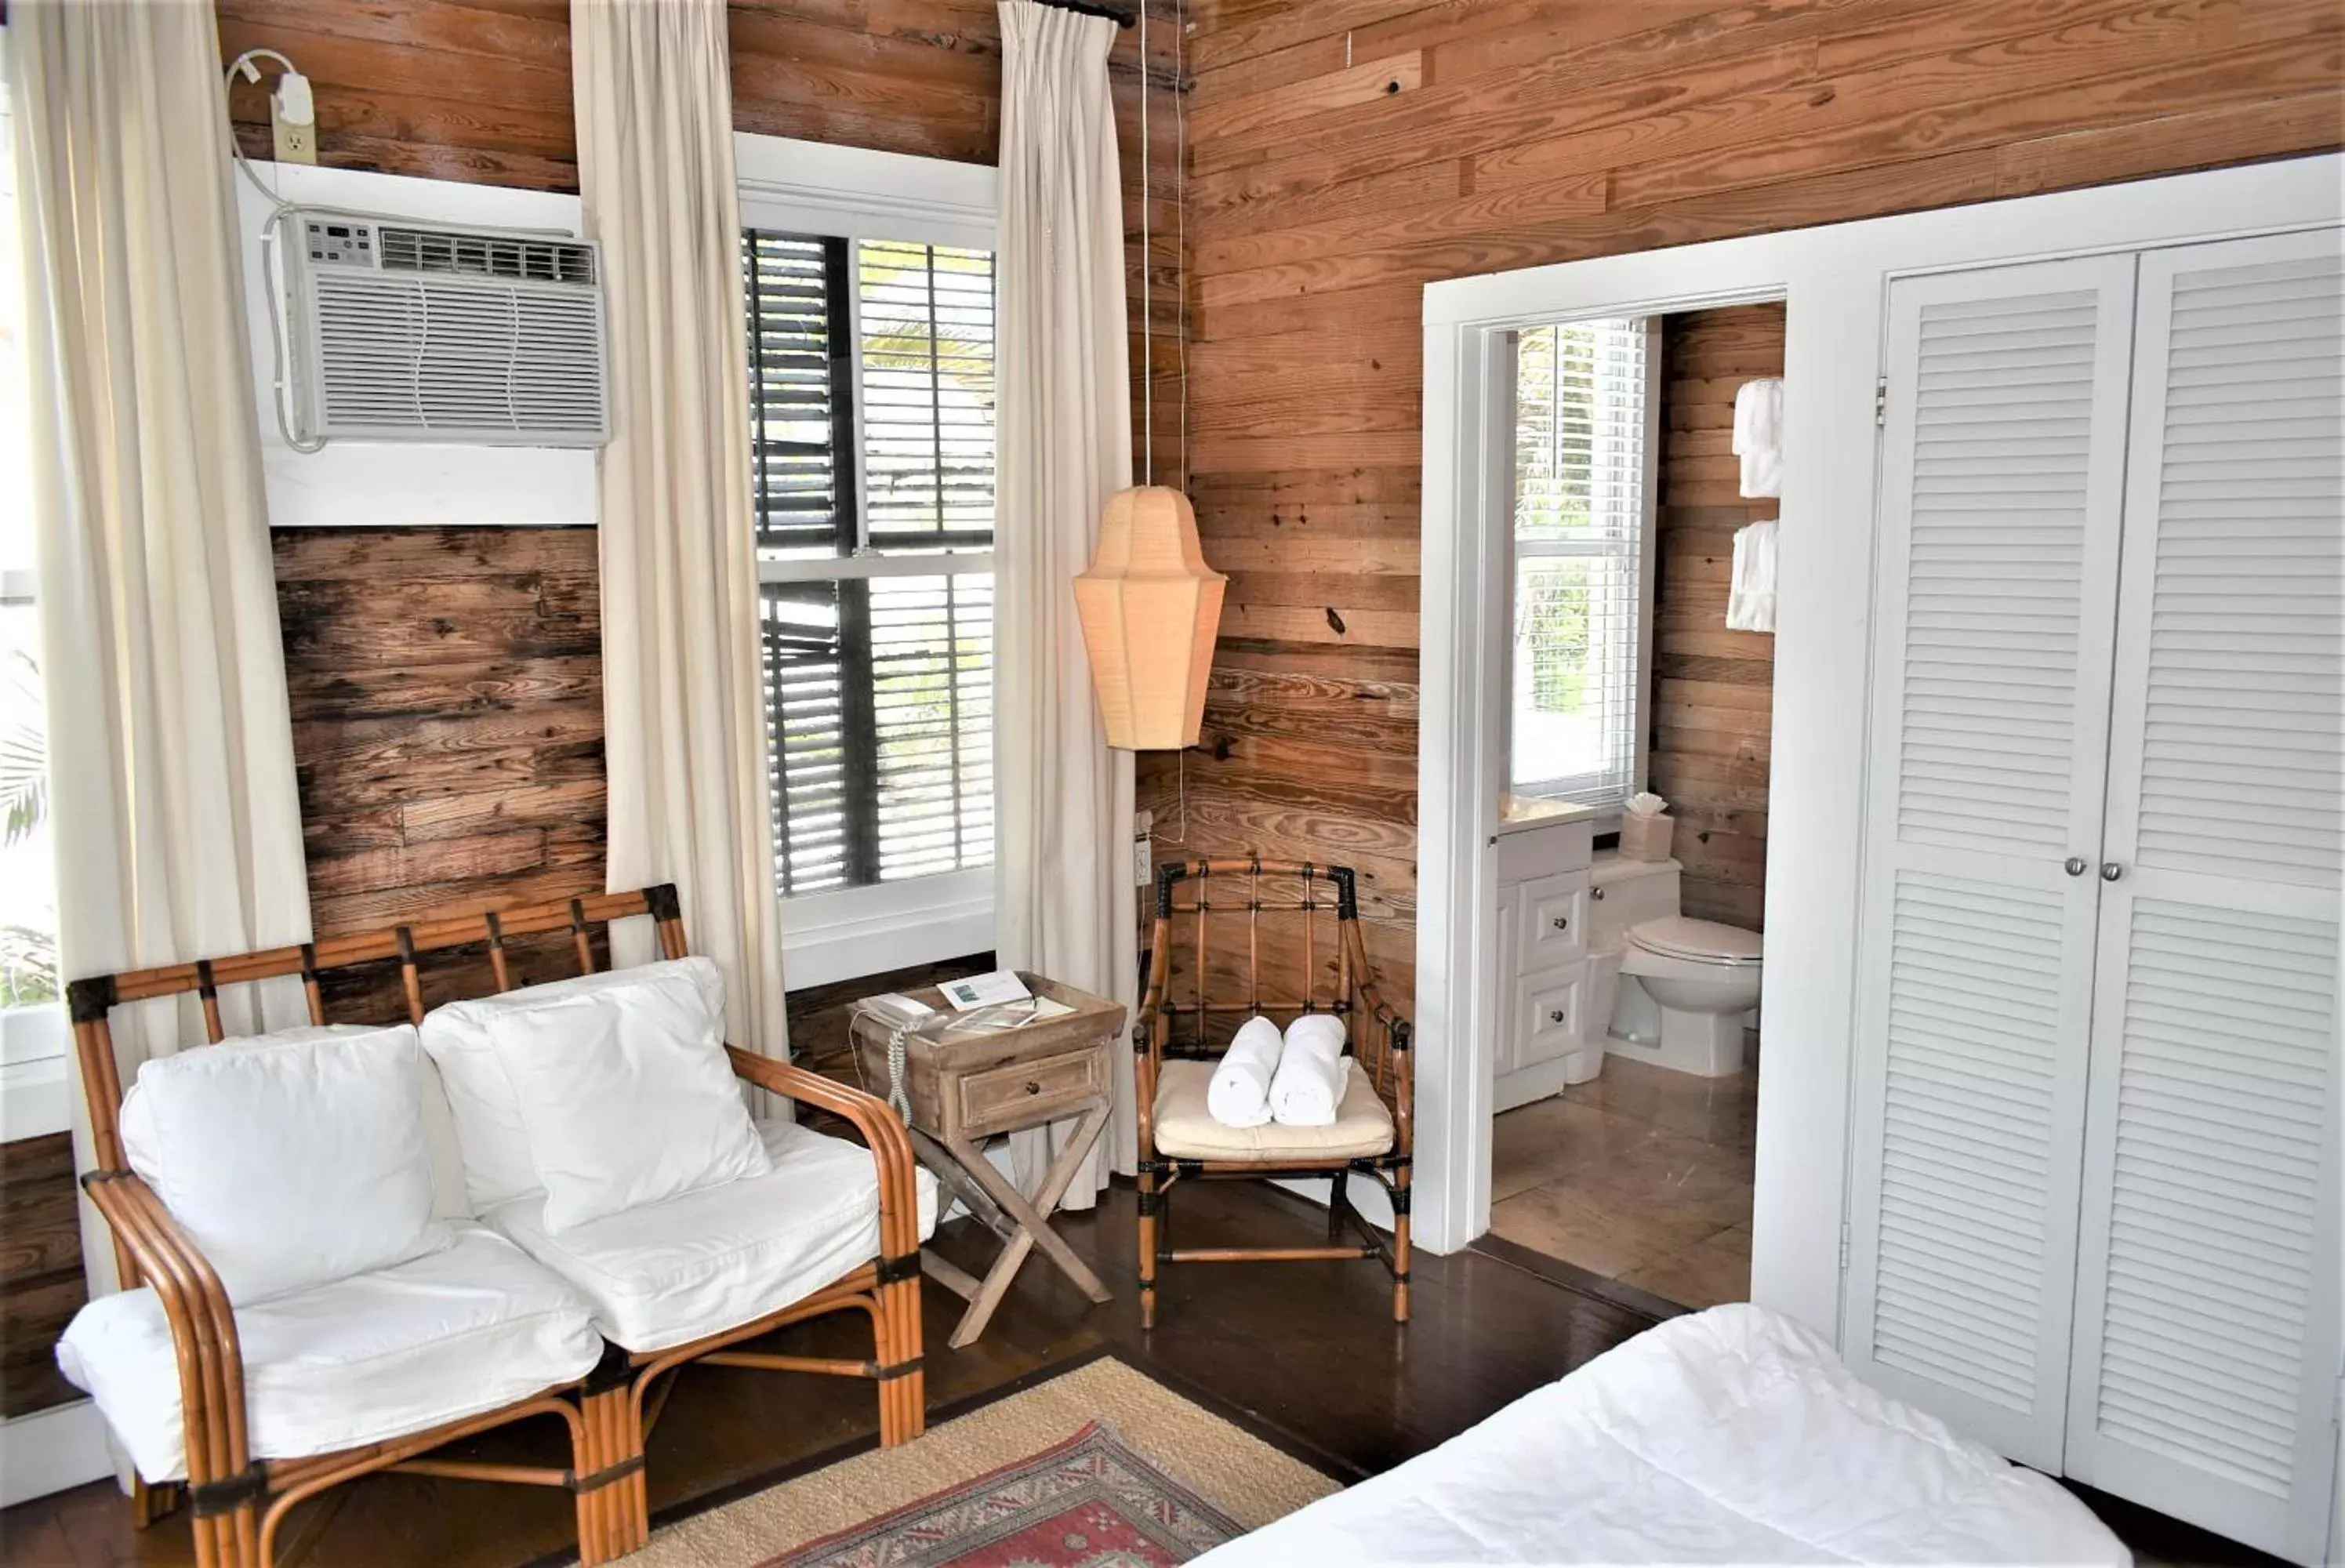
(1150, 607)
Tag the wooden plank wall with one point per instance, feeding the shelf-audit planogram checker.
(1714, 688)
(40, 1269)
(1344, 153)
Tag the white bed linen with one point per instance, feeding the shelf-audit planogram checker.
(670, 1272)
(1730, 1436)
(453, 1334)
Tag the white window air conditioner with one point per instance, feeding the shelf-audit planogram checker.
(407, 332)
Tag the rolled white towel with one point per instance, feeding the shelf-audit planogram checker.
(1239, 1094)
(1309, 1083)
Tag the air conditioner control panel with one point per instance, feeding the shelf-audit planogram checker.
(345, 244)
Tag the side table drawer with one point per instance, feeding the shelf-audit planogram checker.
(1025, 1094)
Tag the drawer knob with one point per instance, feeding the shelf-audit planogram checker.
(1555, 1016)
(1032, 1087)
(1595, 893)
(1561, 923)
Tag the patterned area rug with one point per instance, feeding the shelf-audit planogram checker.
(1114, 1471)
(1089, 1502)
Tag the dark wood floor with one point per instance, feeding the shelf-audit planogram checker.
(1305, 1351)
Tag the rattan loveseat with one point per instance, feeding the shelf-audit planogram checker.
(237, 1500)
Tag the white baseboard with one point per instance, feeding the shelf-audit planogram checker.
(51, 1449)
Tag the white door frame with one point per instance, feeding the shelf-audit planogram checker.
(1834, 280)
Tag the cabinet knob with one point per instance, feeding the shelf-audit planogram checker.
(1561, 923)
(2111, 871)
(2075, 865)
(1555, 1016)
(1595, 893)
(1032, 1087)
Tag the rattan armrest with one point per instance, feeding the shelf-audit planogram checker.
(202, 1322)
(881, 1127)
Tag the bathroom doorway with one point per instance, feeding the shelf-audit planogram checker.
(1626, 1083)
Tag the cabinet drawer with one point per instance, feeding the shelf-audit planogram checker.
(1550, 922)
(1025, 1093)
(1548, 1015)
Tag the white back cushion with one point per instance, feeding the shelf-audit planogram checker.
(498, 1166)
(627, 1096)
(291, 1159)
(600, 1092)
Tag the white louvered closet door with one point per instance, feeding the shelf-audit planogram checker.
(2206, 1312)
(2003, 484)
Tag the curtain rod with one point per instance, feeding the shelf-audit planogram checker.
(1085, 8)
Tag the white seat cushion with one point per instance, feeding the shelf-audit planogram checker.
(455, 1333)
(1187, 1129)
(291, 1159)
(669, 1273)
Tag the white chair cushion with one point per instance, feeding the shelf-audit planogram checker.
(1186, 1128)
(466, 1329)
(290, 1159)
(464, 1037)
(724, 1256)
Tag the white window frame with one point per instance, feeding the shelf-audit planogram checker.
(856, 193)
(1641, 683)
(35, 1039)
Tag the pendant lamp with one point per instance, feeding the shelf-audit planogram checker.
(1150, 608)
(1149, 605)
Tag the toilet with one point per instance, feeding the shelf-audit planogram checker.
(1675, 990)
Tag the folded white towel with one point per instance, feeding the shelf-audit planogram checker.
(1239, 1094)
(1758, 436)
(1750, 601)
(1309, 1083)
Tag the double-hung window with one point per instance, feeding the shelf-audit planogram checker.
(1582, 561)
(872, 381)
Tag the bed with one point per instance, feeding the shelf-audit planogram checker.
(1728, 1436)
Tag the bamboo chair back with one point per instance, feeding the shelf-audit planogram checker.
(586, 921)
(1280, 938)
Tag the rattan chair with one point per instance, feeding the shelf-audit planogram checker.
(1239, 918)
(238, 1506)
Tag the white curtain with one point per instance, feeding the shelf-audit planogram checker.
(685, 725)
(177, 822)
(1063, 799)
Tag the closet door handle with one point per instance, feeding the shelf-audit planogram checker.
(2111, 871)
(2076, 865)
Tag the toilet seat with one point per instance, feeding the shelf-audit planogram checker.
(1698, 942)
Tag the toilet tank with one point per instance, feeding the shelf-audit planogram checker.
(1624, 893)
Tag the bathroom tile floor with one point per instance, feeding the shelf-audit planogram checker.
(1642, 1175)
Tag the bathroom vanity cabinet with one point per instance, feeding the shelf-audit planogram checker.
(1538, 951)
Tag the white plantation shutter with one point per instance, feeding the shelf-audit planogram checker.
(2002, 490)
(2207, 1316)
(872, 412)
(1584, 412)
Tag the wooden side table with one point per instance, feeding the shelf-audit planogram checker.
(963, 1089)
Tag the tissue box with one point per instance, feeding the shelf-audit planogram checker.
(1646, 837)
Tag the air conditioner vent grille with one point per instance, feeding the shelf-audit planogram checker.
(485, 256)
(424, 359)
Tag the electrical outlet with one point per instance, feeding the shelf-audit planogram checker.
(293, 143)
(1143, 847)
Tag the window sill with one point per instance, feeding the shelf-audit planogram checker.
(34, 1094)
(832, 937)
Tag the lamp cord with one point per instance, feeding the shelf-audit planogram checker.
(1147, 271)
